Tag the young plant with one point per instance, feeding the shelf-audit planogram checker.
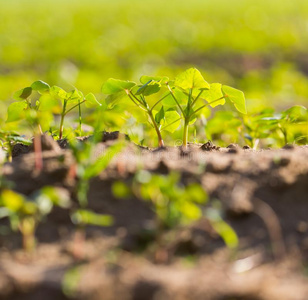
(71, 100)
(144, 97)
(190, 93)
(25, 213)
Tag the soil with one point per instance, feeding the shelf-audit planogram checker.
(264, 197)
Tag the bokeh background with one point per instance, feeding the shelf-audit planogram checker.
(260, 47)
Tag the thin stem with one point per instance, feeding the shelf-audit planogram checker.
(186, 122)
(131, 98)
(205, 105)
(178, 104)
(196, 99)
(74, 107)
(79, 111)
(62, 119)
(160, 139)
(163, 128)
(159, 101)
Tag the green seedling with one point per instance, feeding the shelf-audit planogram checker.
(70, 101)
(144, 97)
(8, 139)
(289, 125)
(190, 93)
(25, 213)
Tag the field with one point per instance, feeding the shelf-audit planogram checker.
(154, 150)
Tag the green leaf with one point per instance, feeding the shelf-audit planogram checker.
(40, 86)
(88, 217)
(161, 79)
(237, 97)
(191, 79)
(91, 101)
(74, 96)
(160, 115)
(214, 93)
(171, 121)
(16, 111)
(149, 88)
(23, 93)
(112, 86)
(58, 92)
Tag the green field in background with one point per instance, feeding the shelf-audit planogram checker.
(257, 46)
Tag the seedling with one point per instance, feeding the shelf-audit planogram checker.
(140, 96)
(70, 101)
(25, 213)
(190, 89)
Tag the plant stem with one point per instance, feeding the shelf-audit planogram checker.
(160, 140)
(185, 133)
(62, 119)
(74, 107)
(79, 110)
(178, 104)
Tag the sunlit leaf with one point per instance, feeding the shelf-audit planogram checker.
(213, 94)
(236, 97)
(191, 79)
(40, 86)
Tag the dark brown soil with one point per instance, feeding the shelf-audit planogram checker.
(264, 196)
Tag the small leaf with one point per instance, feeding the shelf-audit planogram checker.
(16, 111)
(237, 97)
(112, 86)
(58, 92)
(23, 93)
(149, 88)
(12, 200)
(160, 115)
(191, 79)
(40, 86)
(91, 100)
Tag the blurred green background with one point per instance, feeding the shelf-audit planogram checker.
(257, 46)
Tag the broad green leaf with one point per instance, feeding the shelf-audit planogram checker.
(88, 217)
(23, 93)
(91, 100)
(40, 86)
(213, 94)
(191, 79)
(161, 79)
(16, 111)
(58, 92)
(19, 139)
(171, 121)
(112, 86)
(149, 88)
(237, 97)
(160, 115)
